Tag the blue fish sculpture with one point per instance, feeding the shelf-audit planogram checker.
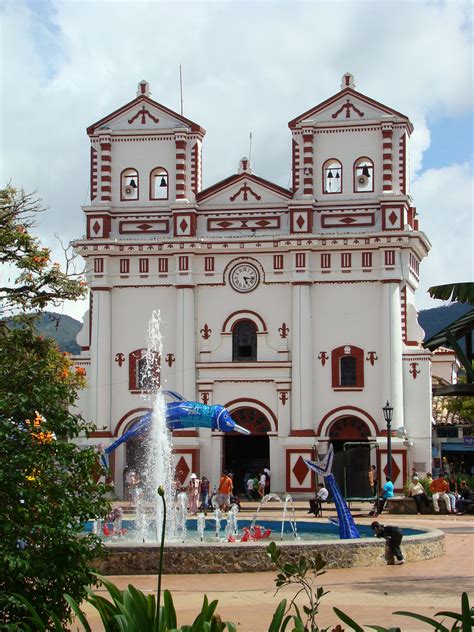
(183, 414)
(346, 524)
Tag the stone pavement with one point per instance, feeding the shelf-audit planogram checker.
(369, 595)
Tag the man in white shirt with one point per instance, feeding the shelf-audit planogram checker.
(315, 504)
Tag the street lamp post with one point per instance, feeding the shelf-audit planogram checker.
(387, 415)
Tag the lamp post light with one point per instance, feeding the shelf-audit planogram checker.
(387, 415)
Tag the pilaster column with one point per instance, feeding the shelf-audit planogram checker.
(301, 360)
(101, 363)
(392, 352)
(105, 168)
(185, 342)
(180, 142)
(308, 137)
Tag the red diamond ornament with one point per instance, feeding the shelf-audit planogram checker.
(392, 218)
(348, 220)
(144, 226)
(300, 470)
(395, 469)
(182, 470)
(183, 224)
(96, 227)
(300, 222)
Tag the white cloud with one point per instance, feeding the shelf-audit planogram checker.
(444, 199)
(248, 66)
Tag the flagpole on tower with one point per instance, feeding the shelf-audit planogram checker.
(250, 145)
(181, 87)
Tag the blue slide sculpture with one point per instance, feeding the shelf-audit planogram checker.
(346, 524)
(183, 414)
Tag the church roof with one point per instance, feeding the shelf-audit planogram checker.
(344, 97)
(244, 174)
(143, 99)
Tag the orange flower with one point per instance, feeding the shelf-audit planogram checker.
(80, 370)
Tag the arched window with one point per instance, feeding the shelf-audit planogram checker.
(129, 185)
(347, 367)
(332, 176)
(363, 175)
(159, 182)
(141, 376)
(244, 341)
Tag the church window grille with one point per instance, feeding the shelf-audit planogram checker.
(209, 264)
(332, 176)
(390, 257)
(124, 266)
(346, 260)
(143, 266)
(143, 376)
(325, 261)
(129, 185)
(98, 265)
(363, 175)
(244, 341)
(366, 259)
(183, 264)
(163, 265)
(347, 367)
(300, 259)
(159, 183)
(278, 262)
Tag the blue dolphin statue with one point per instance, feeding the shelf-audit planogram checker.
(346, 524)
(183, 414)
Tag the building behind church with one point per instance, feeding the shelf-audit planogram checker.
(294, 308)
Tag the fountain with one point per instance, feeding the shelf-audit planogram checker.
(186, 553)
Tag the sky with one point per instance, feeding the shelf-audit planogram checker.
(247, 66)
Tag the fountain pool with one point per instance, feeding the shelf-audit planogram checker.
(217, 555)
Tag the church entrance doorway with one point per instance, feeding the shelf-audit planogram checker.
(353, 456)
(247, 454)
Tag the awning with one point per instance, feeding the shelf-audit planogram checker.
(456, 447)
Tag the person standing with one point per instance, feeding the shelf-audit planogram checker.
(372, 475)
(464, 499)
(387, 492)
(393, 537)
(204, 494)
(453, 492)
(224, 491)
(262, 482)
(193, 494)
(417, 492)
(440, 488)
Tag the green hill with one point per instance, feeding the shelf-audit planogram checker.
(62, 328)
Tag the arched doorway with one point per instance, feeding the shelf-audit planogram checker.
(247, 454)
(352, 456)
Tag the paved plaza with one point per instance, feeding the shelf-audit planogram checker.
(369, 595)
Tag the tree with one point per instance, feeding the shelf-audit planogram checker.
(36, 281)
(48, 484)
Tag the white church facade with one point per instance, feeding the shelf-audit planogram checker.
(294, 308)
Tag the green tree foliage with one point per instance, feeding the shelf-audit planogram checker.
(48, 486)
(33, 281)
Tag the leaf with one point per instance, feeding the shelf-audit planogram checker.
(78, 612)
(169, 609)
(439, 627)
(348, 621)
(278, 616)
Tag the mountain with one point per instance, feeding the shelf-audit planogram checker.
(437, 318)
(64, 329)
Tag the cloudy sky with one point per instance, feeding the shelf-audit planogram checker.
(247, 66)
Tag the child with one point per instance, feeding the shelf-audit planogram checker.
(393, 537)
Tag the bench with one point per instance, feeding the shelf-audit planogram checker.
(407, 505)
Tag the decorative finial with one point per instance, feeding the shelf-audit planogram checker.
(245, 165)
(143, 89)
(347, 81)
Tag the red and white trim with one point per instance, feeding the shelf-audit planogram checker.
(402, 158)
(180, 142)
(105, 169)
(387, 134)
(403, 305)
(296, 165)
(308, 137)
(94, 172)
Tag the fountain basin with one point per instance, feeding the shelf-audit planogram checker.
(223, 557)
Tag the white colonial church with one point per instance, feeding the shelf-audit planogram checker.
(294, 308)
